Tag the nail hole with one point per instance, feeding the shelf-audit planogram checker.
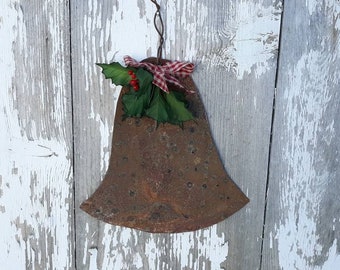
(137, 122)
(155, 215)
(189, 185)
(204, 186)
(132, 193)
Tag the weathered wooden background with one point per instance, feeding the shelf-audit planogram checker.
(269, 74)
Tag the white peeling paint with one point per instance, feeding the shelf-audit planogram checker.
(330, 6)
(35, 194)
(105, 129)
(312, 5)
(13, 253)
(93, 259)
(211, 248)
(336, 16)
(184, 31)
(303, 186)
(171, 10)
(138, 31)
(190, 24)
(315, 5)
(333, 261)
(202, 249)
(271, 239)
(250, 39)
(119, 244)
(86, 243)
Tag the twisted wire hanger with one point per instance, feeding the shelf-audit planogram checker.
(160, 29)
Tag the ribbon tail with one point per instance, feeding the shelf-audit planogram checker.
(129, 61)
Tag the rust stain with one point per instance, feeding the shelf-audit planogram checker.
(165, 178)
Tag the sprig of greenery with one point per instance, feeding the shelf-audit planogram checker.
(149, 100)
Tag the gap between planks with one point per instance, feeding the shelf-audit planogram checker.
(271, 134)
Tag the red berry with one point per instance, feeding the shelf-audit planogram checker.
(133, 76)
(134, 82)
(130, 72)
(136, 87)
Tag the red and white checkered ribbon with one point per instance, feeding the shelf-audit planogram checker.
(164, 73)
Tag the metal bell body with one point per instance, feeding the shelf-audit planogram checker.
(164, 178)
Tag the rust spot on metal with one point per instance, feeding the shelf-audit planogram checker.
(168, 178)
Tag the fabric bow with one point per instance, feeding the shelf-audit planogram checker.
(164, 73)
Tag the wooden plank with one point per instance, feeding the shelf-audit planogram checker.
(36, 202)
(302, 224)
(234, 45)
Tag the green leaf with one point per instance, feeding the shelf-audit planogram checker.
(135, 105)
(178, 113)
(117, 73)
(149, 100)
(158, 107)
(144, 77)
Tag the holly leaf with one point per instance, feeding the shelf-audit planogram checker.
(136, 104)
(147, 99)
(158, 107)
(144, 77)
(178, 113)
(117, 73)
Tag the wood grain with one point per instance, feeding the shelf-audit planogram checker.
(55, 134)
(236, 90)
(302, 224)
(36, 181)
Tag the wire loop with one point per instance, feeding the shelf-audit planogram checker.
(160, 30)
